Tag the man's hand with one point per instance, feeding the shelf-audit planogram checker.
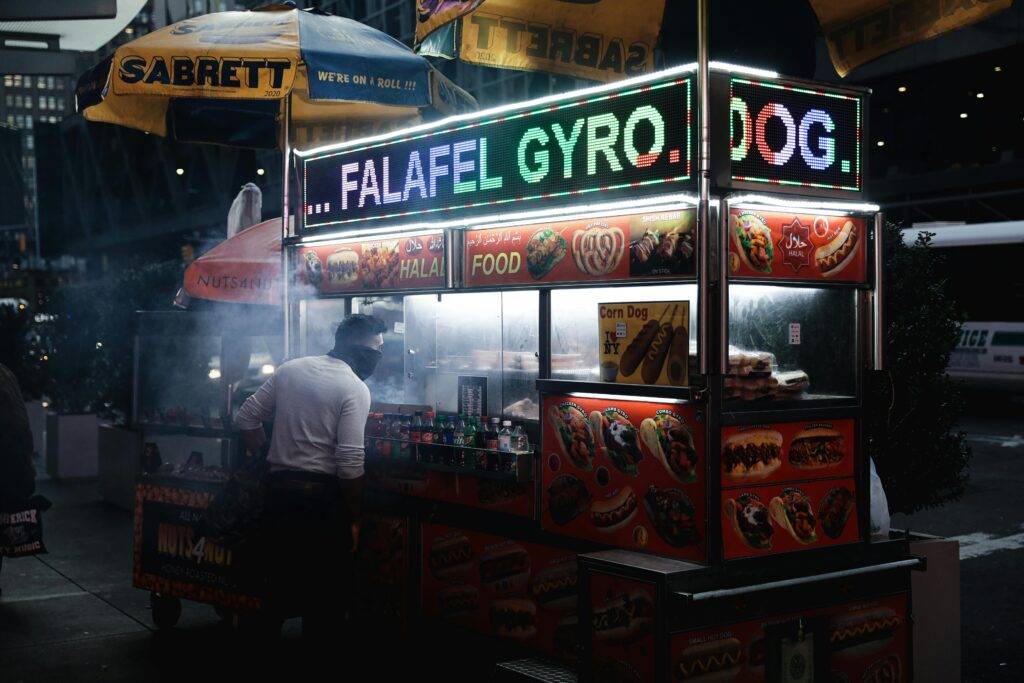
(355, 536)
(254, 439)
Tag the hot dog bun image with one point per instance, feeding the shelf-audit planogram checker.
(450, 557)
(863, 631)
(835, 255)
(718, 660)
(751, 455)
(624, 618)
(615, 512)
(514, 618)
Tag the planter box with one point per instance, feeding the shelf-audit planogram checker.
(37, 423)
(120, 462)
(71, 442)
(936, 609)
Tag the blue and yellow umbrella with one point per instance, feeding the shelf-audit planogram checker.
(232, 78)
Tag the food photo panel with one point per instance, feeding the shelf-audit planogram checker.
(625, 473)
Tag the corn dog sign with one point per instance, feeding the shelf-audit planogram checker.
(645, 342)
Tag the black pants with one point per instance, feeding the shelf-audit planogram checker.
(307, 548)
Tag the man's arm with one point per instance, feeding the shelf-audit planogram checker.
(256, 410)
(350, 454)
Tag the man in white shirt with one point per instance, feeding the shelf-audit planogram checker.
(318, 406)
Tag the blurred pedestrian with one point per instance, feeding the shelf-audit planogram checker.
(17, 471)
(318, 406)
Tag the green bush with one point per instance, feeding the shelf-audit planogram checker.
(913, 406)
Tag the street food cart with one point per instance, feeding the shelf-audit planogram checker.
(682, 493)
(193, 369)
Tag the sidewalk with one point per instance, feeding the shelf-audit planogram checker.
(73, 614)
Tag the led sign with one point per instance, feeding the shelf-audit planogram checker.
(791, 136)
(630, 141)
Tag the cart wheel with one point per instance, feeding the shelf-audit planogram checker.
(166, 611)
(225, 613)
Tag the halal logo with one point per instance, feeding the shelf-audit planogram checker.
(795, 245)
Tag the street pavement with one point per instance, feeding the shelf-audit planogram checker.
(73, 614)
(989, 523)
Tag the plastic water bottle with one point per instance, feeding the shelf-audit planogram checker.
(520, 442)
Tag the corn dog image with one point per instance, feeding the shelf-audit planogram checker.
(636, 349)
(657, 352)
(678, 356)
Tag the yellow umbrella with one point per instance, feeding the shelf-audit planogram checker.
(231, 77)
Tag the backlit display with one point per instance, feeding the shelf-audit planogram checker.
(626, 143)
(794, 136)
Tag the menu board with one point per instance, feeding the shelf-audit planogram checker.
(623, 628)
(524, 592)
(385, 263)
(779, 518)
(787, 451)
(797, 246)
(472, 395)
(645, 343)
(868, 640)
(625, 473)
(658, 244)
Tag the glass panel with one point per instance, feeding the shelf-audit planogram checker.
(575, 339)
(432, 341)
(318, 320)
(788, 343)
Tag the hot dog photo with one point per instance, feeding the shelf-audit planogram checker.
(766, 244)
(645, 342)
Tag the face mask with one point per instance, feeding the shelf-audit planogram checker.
(362, 359)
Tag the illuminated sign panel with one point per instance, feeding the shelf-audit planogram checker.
(789, 136)
(614, 143)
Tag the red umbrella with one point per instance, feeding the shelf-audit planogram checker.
(245, 268)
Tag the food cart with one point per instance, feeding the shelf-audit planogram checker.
(692, 499)
(193, 369)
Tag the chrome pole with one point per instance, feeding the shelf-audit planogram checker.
(285, 177)
(878, 298)
(704, 189)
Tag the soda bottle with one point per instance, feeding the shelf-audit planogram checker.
(404, 443)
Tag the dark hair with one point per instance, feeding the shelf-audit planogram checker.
(356, 328)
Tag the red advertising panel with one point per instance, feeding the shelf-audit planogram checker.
(867, 641)
(411, 479)
(772, 519)
(382, 563)
(510, 589)
(382, 263)
(787, 451)
(797, 246)
(623, 628)
(657, 244)
(625, 473)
